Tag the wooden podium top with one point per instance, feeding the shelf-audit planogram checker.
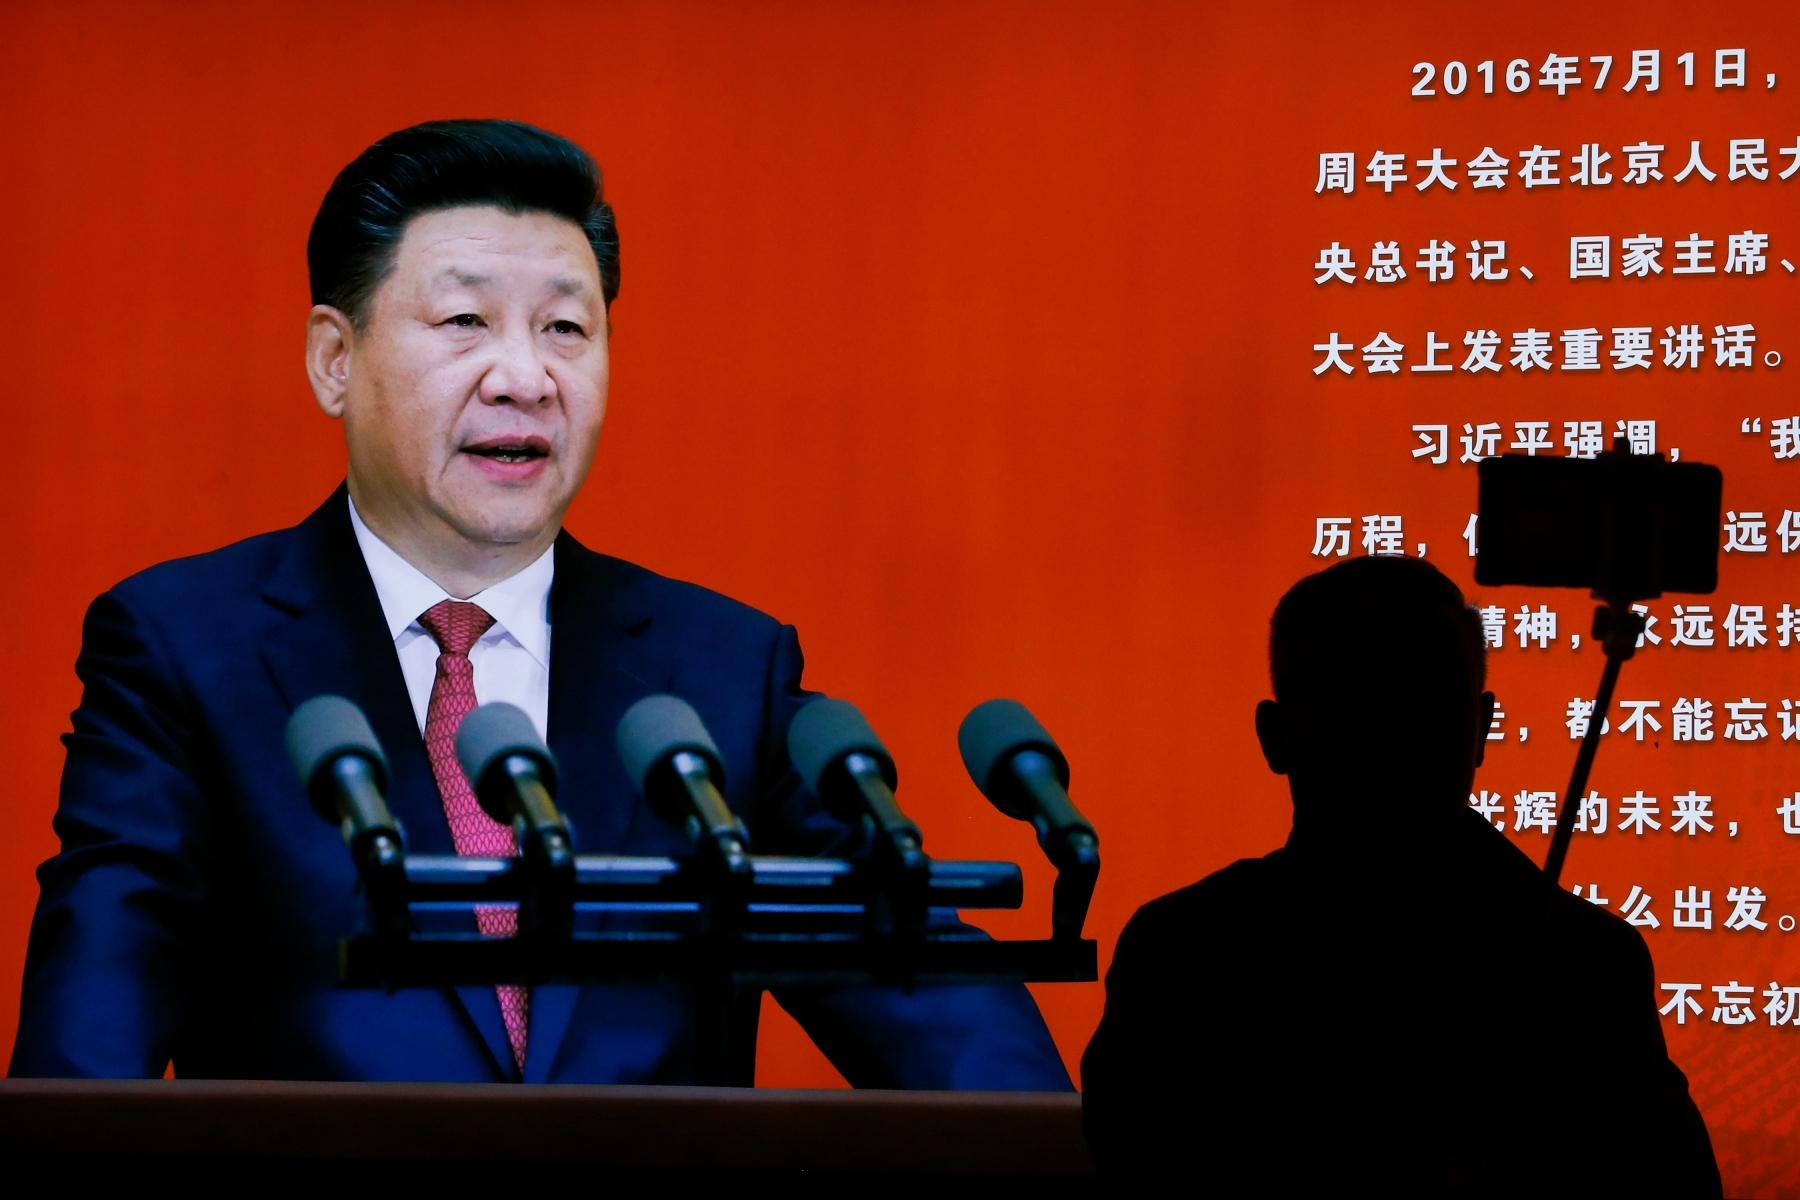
(682, 1129)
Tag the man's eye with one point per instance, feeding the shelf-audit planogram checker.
(566, 327)
(465, 321)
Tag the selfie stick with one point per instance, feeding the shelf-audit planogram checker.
(1617, 628)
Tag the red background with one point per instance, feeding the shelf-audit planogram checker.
(972, 339)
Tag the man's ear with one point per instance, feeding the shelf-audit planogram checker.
(1271, 731)
(329, 336)
(1484, 720)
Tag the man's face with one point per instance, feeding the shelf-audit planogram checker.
(472, 398)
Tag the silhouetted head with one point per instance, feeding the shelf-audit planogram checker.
(1379, 666)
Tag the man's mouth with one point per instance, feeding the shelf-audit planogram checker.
(511, 450)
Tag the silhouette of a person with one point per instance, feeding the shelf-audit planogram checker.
(1397, 1000)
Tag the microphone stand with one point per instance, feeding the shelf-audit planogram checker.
(1617, 628)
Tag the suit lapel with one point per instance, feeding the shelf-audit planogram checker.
(332, 639)
(551, 1007)
(483, 1008)
(599, 667)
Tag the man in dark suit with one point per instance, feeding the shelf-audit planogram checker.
(462, 276)
(1397, 1002)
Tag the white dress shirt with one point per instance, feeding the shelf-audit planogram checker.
(512, 659)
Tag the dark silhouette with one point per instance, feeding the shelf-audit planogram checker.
(1397, 1000)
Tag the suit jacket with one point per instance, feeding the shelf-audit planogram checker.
(196, 906)
(1435, 1020)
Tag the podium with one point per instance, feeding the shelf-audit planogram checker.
(346, 1133)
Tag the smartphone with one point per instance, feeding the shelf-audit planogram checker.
(1625, 526)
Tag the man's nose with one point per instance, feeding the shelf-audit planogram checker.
(517, 373)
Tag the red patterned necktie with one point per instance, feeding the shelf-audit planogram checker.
(456, 625)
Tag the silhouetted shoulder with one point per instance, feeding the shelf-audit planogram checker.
(1603, 939)
(1594, 930)
(1241, 879)
(1202, 910)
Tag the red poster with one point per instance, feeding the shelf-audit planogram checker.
(1027, 350)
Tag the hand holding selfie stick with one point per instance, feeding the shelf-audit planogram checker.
(1625, 526)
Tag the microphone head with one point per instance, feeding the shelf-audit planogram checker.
(653, 731)
(320, 732)
(990, 735)
(820, 737)
(489, 736)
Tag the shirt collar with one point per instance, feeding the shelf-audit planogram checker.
(520, 604)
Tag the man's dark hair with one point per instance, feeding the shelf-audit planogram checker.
(513, 166)
(1377, 628)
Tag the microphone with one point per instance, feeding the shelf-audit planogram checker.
(676, 767)
(514, 777)
(1021, 770)
(345, 775)
(852, 774)
(512, 771)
